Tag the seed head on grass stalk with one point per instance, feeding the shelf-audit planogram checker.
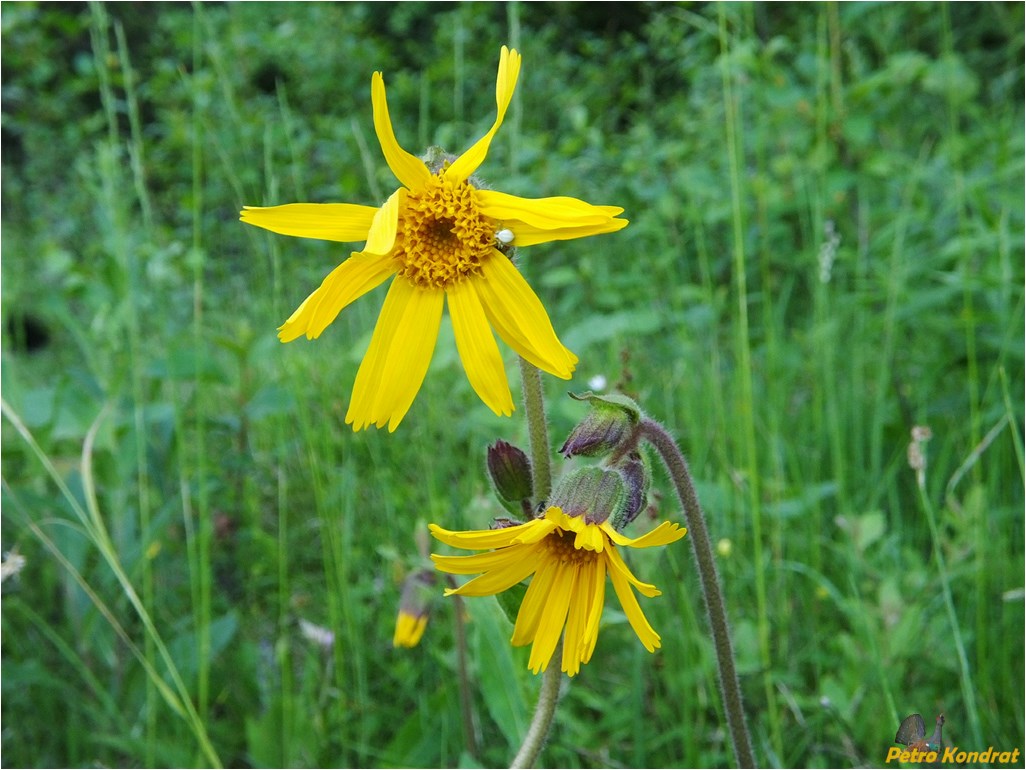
(446, 239)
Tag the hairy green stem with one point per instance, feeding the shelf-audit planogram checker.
(541, 475)
(548, 697)
(730, 688)
(537, 428)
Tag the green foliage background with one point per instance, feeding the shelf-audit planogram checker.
(825, 250)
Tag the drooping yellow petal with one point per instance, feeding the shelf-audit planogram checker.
(632, 609)
(552, 620)
(577, 618)
(482, 562)
(398, 357)
(666, 533)
(505, 84)
(499, 580)
(350, 280)
(617, 565)
(533, 605)
(480, 539)
(597, 575)
(477, 348)
(408, 169)
(515, 311)
(324, 221)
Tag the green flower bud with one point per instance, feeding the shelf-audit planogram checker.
(595, 494)
(609, 424)
(510, 471)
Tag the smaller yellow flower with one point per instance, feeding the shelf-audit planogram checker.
(415, 605)
(409, 629)
(569, 558)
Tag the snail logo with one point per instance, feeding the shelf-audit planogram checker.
(922, 750)
(912, 733)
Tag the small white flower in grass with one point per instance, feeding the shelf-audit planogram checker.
(319, 635)
(12, 564)
(598, 382)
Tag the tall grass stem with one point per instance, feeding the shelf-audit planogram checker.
(744, 366)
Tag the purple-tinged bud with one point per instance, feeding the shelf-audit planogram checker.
(510, 471)
(634, 471)
(608, 426)
(595, 494)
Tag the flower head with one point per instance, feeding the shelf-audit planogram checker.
(569, 559)
(414, 608)
(445, 240)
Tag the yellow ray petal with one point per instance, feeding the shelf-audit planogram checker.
(534, 603)
(538, 530)
(479, 539)
(552, 620)
(498, 580)
(590, 537)
(410, 355)
(617, 565)
(632, 609)
(324, 221)
(577, 618)
(408, 169)
(666, 533)
(381, 236)
(482, 562)
(544, 213)
(350, 280)
(527, 235)
(398, 356)
(477, 348)
(597, 596)
(505, 84)
(515, 311)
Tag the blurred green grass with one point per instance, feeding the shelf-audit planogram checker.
(826, 249)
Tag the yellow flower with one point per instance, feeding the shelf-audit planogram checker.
(409, 628)
(415, 604)
(445, 240)
(569, 559)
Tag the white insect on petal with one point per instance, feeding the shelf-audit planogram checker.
(504, 236)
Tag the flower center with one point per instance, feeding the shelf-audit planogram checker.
(442, 237)
(561, 547)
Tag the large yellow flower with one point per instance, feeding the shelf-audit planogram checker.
(569, 559)
(440, 236)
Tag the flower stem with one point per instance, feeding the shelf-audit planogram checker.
(548, 696)
(534, 406)
(730, 688)
(541, 477)
(461, 658)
